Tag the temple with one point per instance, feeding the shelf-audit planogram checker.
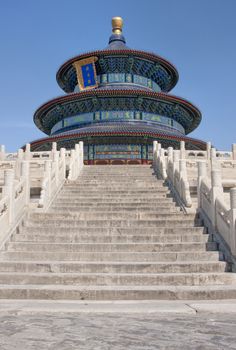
(117, 102)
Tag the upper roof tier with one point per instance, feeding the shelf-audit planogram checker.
(119, 58)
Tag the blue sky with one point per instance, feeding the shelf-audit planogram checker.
(197, 36)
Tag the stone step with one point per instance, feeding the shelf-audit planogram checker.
(117, 201)
(112, 267)
(118, 292)
(112, 215)
(111, 183)
(107, 205)
(78, 238)
(110, 247)
(70, 222)
(117, 194)
(133, 172)
(117, 279)
(112, 208)
(103, 231)
(117, 177)
(111, 256)
(114, 190)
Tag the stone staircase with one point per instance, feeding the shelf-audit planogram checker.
(115, 233)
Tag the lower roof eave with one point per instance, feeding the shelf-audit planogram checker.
(88, 139)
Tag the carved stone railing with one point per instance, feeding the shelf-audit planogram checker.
(76, 161)
(172, 167)
(15, 199)
(204, 171)
(47, 169)
(218, 215)
(53, 179)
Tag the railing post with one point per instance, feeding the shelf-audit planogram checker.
(182, 149)
(184, 185)
(63, 159)
(155, 143)
(81, 145)
(8, 190)
(54, 147)
(154, 158)
(216, 192)
(169, 168)
(170, 154)
(2, 152)
(47, 170)
(25, 175)
(214, 162)
(202, 173)
(19, 159)
(72, 165)
(55, 159)
(208, 150)
(233, 220)
(175, 164)
(27, 152)
(234, 151)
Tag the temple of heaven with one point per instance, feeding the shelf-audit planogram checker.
(117, 102)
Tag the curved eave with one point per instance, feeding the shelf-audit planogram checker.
(152, 135)
(96, 93)
(139, 53)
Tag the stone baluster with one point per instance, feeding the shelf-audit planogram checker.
(8, 190)
(233, 220)
(81, 145)
(170, 163)
(163, 163)
(216, 192)
(214, 161)
(185, 192)
(155, 143)
(53, 150)
(202, 173)
(182, 150)
(170, 154)
(25, 175)
(63, 158)
(2, 152)
(234, 151)
(55, 159)
(46, 184)
(19, 159)
(27, 152)
(72, 165)
(175, 163)
(208, 150)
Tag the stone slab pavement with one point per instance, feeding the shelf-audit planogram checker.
(68, 325)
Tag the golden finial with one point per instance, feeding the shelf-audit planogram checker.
(117, 24)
